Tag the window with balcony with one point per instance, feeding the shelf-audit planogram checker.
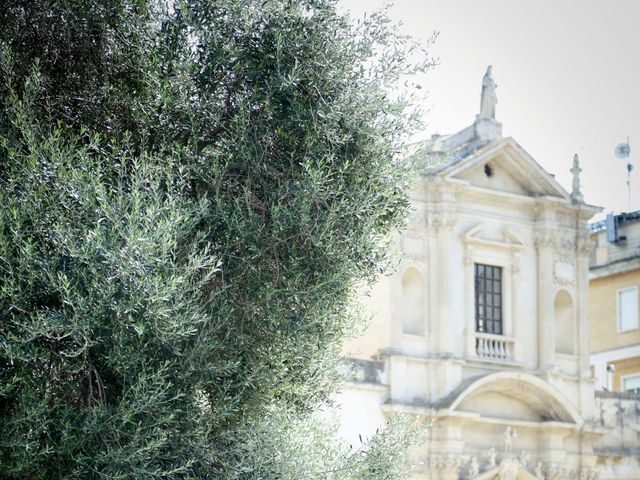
(488, 295)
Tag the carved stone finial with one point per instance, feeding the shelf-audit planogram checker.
(488, 98)
(576, 194)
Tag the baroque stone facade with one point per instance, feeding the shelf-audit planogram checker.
(483, 329)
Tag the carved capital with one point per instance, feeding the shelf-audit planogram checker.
(585, 245)
(565, 245)
(417, 220)
(445, 465)
(441, 221)
(544, 239)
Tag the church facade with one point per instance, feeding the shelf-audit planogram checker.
(483, 330)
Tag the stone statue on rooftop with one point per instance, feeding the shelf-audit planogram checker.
(491, 457)
(538, 471)
(474, 468)
(508, 435)
(488, 98)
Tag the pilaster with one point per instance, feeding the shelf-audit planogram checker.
(544, 242)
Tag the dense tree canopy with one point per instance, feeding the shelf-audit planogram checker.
(192, 192)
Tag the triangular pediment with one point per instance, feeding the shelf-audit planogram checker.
(504, 166)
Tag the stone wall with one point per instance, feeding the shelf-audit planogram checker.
(618, 451)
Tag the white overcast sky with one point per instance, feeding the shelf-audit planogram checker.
(568, 75)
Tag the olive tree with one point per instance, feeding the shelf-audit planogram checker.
(192, 193)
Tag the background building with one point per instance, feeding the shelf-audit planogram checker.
(614, 280)
(483, 329)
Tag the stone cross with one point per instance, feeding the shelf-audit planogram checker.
(488, 98)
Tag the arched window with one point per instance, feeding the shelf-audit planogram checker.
(565, 323)
(412, 306)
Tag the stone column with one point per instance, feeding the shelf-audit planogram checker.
(587, 400)
(583, 247)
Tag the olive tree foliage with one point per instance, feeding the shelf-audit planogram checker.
(192, 193)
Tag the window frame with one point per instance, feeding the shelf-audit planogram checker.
(618, 311)
(490, 293)
(627, 377)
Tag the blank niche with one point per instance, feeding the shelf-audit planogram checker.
(412, 302)
(565, 323)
